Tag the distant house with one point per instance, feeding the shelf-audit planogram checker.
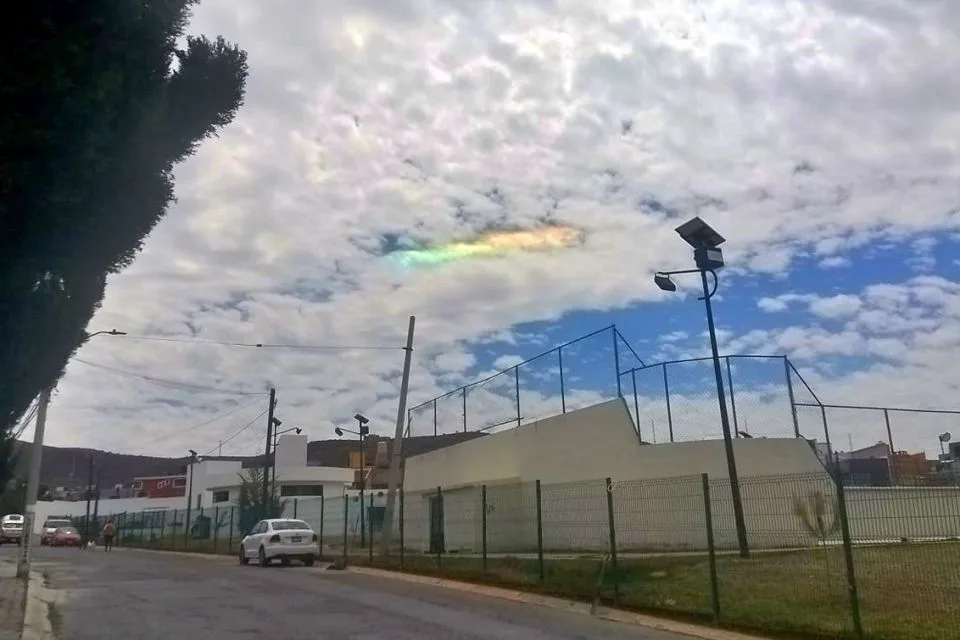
(170, 486)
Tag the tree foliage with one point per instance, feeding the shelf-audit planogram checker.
(250, 501)
(100, 100)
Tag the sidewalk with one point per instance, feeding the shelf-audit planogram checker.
(13, 596)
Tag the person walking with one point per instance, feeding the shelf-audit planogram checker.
(109, 531)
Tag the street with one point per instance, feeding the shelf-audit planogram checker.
(147, 595)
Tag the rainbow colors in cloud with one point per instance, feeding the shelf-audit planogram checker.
(492, 244)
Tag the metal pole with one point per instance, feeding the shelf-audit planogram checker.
(848, 559)
(400, 526)
(346, 525)
(230, 532)
(322, 502)
(636, 402)
(396, 470)
(186, 528)
(266, 454)
(725, 424)
(363, 482)
(370, 524)
(539, 532)
(613, 540)
(826, 434)
(86, 529)
(434, 417)
(733, 400)
(216, 526)
(793, 405)
(516, 382)
(483, 524)
(711, 546)
(616, 359)
(563, 395)
(892, 465)
(666, 392)
(33, 485)
(464, 410)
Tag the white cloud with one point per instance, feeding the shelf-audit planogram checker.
(795, 128)
(839, 306)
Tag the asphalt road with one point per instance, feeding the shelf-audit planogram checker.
(154, 596)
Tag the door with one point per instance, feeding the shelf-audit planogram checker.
(252, 547)
(437, 543)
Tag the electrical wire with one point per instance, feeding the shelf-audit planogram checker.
(27, 418)
(262, 345)
(174, 384)
(244, 428)
(204, 423)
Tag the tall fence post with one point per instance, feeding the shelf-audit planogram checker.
(516, 382)
(666, 393)
(848, 559)
(295, 503)
(464, 409)
(436, 527)
(712, 548)
(616, 359)
(483, 525)
(539, 532)
(793, 402)
(370, 527)
(831, 463)
(230, 532)
(636, 402)
(346, 525)
(163, 525)
(434, 417)
(733, 400)
(563, 391)
(322, 503)
(893, 467)
(216, 528)
(613, 541)
(400, 519)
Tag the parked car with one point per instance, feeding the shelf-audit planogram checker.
(50, 528)
(11, 528)
(280, 538)
(65, 537)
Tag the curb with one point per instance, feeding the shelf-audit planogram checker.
(604, 613)
(36, 619)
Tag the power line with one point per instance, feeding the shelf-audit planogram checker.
(27, 418)
(204, 423)
(174, 384)
(245, 427)
(263, 345)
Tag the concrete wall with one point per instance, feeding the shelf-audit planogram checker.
(107, 507)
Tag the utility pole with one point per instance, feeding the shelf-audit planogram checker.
(33, 485)
(396, 458)
(266, 454)
(86, 521)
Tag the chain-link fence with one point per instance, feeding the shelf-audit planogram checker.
(574, 375)
(824, 559)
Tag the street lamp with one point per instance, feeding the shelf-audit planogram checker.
(708, 257)
(33, 470)
(186, 529)
(276, 435)
(362, 432)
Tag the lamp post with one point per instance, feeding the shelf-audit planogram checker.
(33, 471)
(273, 471)
(362, 431)
(186, 528)
(708, 258)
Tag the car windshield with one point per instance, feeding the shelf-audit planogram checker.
(14, 518)
(67, 530)
(289, 525)
(53, 524)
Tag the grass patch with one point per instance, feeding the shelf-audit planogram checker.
(907, 592)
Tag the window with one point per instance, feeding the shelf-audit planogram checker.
(290, 525)
(179, 482)
(138, 484)
(221, 496)
(292, 490)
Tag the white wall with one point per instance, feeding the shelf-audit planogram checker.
(291, 451)
(596, 442)
(107, 507)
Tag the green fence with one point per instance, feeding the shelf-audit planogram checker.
(824, 560)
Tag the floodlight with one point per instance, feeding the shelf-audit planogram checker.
(664, 282)
(298, 430)
(192, 452)
(338, 431)
(699, 235)
(277, 422)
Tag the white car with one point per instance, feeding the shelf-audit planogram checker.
(11, 528)
(281, 538)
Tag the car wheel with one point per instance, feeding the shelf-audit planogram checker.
(308, 561)
(262, 557)
(285, 561)
(243, 557)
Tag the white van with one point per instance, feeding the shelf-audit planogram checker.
(11, 528)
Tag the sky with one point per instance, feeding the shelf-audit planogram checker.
(819, 137)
